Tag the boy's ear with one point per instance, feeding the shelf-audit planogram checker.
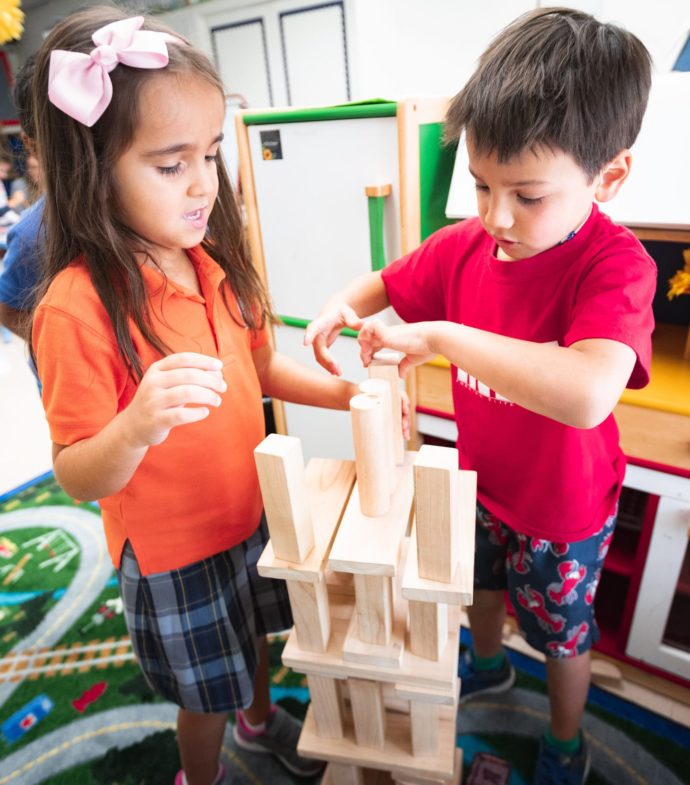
(613, 175)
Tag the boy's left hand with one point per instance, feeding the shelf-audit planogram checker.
(413, 340)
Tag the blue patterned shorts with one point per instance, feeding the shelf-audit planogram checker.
(551, 585)
(194, 630)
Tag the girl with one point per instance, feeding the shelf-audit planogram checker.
(152, 347)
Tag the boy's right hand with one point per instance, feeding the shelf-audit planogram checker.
(175, 390)
(322, 332)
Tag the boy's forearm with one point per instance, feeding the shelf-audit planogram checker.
(288, 380)
(578, 388)
(99, 466)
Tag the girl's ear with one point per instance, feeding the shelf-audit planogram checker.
(613, 175)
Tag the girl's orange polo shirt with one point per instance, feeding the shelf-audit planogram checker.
(197, 493)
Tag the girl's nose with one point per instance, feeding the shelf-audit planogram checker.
(204, 180)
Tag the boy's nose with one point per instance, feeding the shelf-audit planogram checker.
(498, 216)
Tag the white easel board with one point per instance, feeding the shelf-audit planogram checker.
(313, 209)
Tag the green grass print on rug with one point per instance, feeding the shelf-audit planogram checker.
(74, 706)
(100, 724)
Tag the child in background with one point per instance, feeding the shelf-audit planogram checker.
(152, 346)
(544, 308)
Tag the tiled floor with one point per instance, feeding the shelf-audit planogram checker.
(24, 441)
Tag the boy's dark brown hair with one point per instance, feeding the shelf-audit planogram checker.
(555, 77)
(81, 211)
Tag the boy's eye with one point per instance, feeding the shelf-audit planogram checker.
(170, 169)
(527, 200)
(479, 187)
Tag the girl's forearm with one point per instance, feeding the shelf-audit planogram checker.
(288, 380)
(99, 466)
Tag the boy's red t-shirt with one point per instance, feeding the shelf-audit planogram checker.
(540, 477)
(197, 493)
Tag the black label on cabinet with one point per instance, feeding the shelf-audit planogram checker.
(271, 149)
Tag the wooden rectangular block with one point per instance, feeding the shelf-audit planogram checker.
(368, 714)
(414, 671)
(329, 484)
(372, 545)
(455, 778)
(436, 512)
(428, 627)
(327, 703)
(395, 755)
(374, 605)
(425, 723)
(385, 656)
(311, 614)
(343, 774)
(280, 466)
(459, 592)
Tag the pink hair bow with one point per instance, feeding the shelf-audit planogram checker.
(79, 84)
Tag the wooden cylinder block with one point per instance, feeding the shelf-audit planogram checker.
(385, 366)
(374, 481)
(382, 389)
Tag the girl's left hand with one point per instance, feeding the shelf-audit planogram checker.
(413, 340)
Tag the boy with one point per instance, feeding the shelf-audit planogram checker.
(543, 307)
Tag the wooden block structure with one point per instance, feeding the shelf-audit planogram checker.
(376, 569)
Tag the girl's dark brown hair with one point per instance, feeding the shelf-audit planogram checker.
(81, 209)
(555, 77)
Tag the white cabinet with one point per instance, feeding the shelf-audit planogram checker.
(660, 630)
(311, 230)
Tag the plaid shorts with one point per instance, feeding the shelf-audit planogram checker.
(551, 585)
(194, 630)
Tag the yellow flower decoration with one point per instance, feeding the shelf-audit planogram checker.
(680, 283)
(11, 21)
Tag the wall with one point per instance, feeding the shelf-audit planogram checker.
(405, 47)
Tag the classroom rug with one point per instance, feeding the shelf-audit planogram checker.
(629, 745)
(75, 710)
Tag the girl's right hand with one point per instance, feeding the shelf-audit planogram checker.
(175, 390)
(322, 332)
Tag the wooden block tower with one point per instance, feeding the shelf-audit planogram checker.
(376, 568)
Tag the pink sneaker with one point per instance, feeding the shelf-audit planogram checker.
(180, 779)
(279, 739)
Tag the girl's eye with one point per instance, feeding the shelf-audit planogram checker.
(527, 200)
(212, 158)
(170, 170)
(482, 188)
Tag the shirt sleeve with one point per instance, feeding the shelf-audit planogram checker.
(415, 284)
(22, 261)
(614, 301)
(82, 374)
